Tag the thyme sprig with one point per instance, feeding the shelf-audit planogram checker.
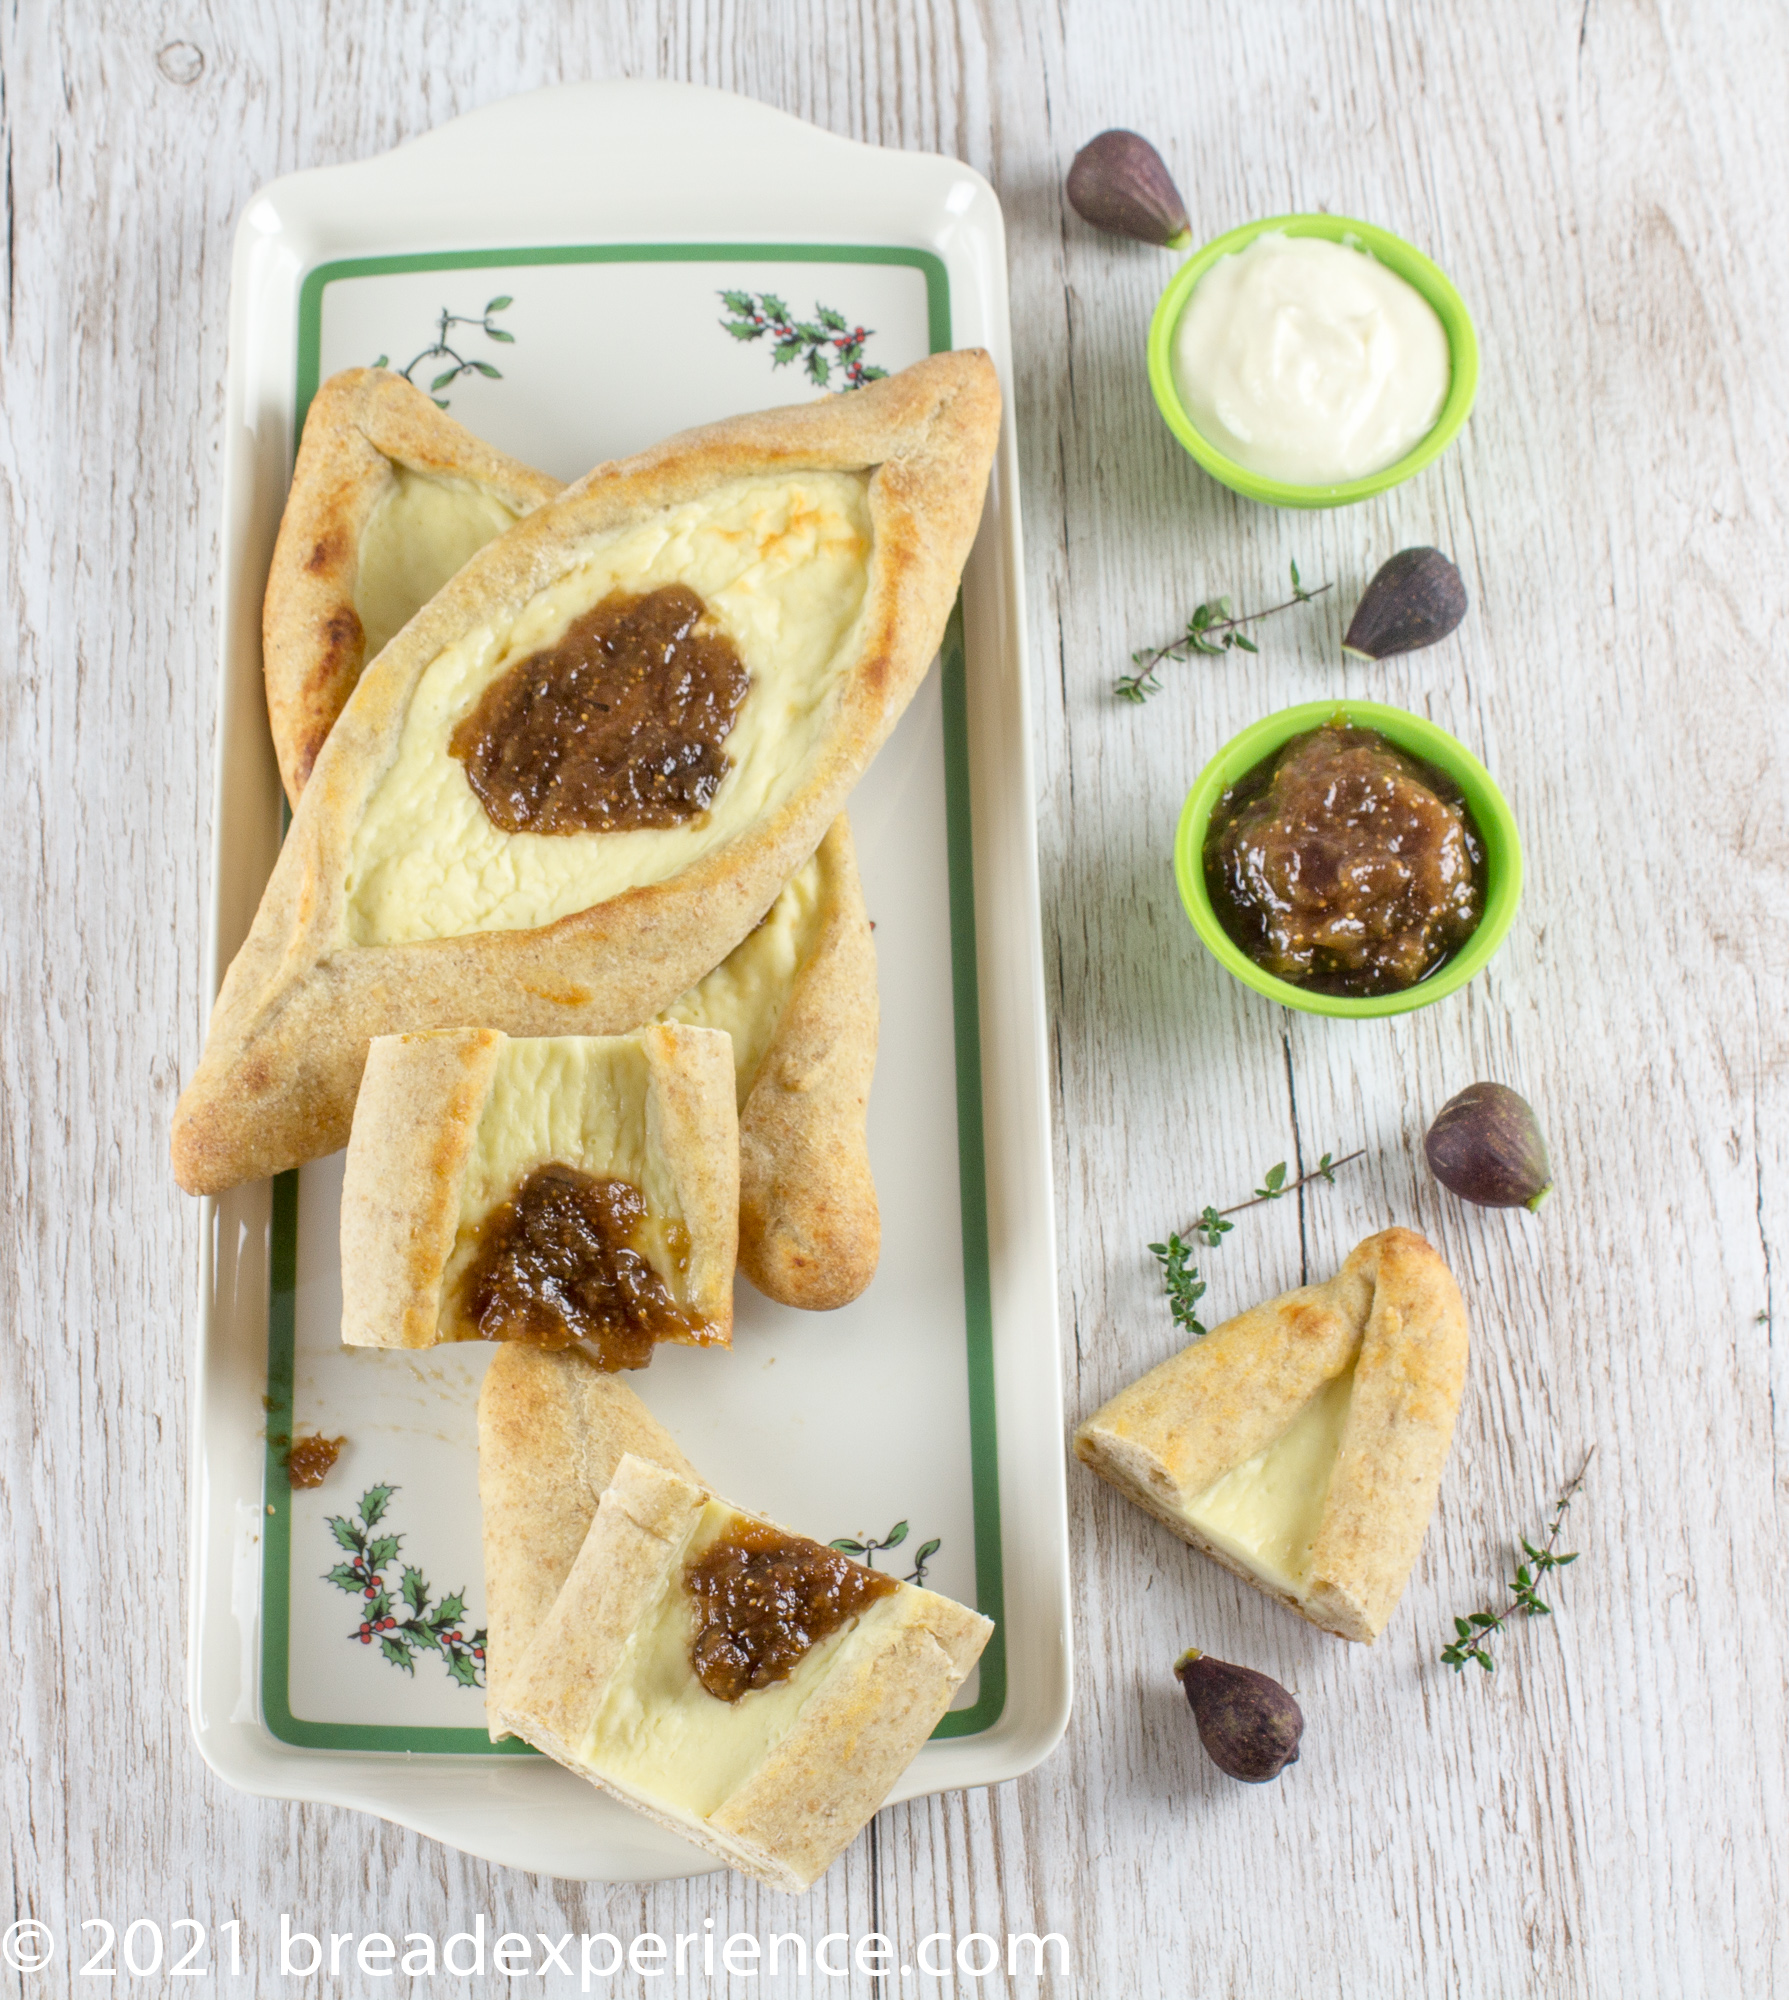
(1214, 627)
(1181, 1282)
(1471, 1632)
(1211, 1224)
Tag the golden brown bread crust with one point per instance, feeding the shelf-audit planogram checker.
(810, 1232)
(360, 423)
(1408, 1381)
(692, 1122)
(552, 1427)
(1394, 1312)
(415, 1128)
(287, 1043)
(818, 1785)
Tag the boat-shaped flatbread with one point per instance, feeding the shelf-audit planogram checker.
(389, 498)
(750, 1689)
(1301, 1444)
(495, 834)
(552, 1428)
(567, 1188)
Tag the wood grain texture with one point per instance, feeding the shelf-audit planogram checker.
(1605, 183)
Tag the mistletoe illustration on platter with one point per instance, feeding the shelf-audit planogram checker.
(866, 1550)
(823, 344)
(404, 1624)
(443, 349)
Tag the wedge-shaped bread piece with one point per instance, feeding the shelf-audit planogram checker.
(389, 498)
(1301, 1444)
(666, 1603)
(798, 997)
(571, 1187)
(823, 543)
(552, 1428)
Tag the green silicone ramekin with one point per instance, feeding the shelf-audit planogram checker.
(1396, 255)
(1422, 739)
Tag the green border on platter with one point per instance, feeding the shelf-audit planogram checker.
(310, 296)
(965, 997)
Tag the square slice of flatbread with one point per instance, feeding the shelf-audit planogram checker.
(485, 1177)
(659, 1675)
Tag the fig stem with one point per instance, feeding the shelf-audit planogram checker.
(1532, 1204)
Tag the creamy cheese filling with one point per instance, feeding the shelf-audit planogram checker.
(1265, 1512)
(782, 565)
(660, 1734)
(744, 996)
(423, 529)
(584, 1100)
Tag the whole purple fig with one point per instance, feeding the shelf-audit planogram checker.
(1249, 1724)
(1413, 600)
(1118, 182)
(1486, 1145)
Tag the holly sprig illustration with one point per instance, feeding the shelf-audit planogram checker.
(821, 344)
(444, 350)
(866, 1549)
(405, 1624)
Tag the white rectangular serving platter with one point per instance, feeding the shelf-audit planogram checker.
(577, 273)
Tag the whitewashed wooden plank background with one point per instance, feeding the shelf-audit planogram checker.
(1606, 182)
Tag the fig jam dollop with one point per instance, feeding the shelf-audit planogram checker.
(764, 1599)
(621, 723)
(1344, 865)
(556, 1262)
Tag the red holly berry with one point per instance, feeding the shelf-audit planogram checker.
(366, 1638)
(378, 1582)
(478, 1652)
(369, 1592)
